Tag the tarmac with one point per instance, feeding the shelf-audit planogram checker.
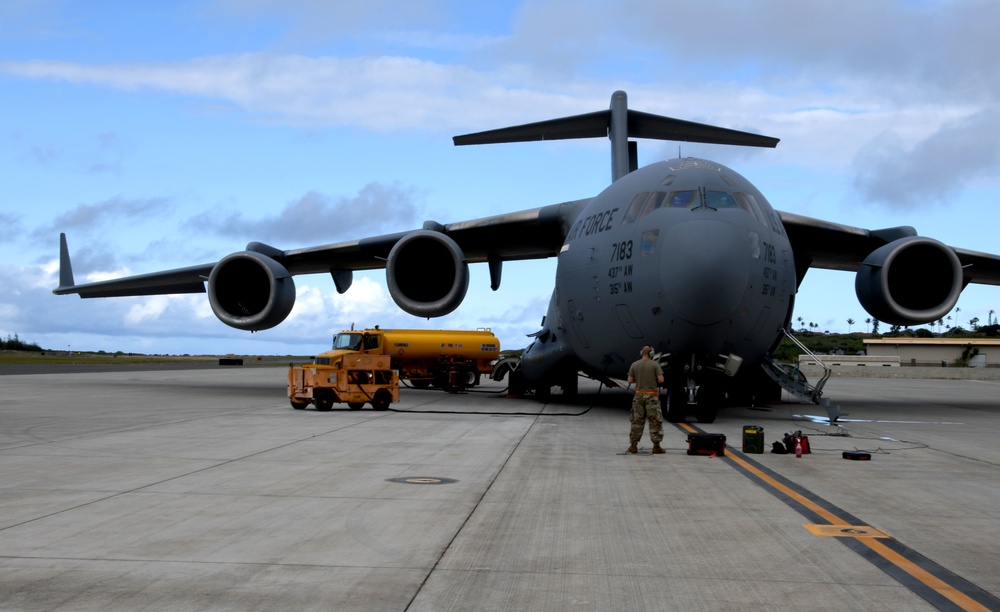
(202, 489)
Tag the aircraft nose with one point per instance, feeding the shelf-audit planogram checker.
(704, 269)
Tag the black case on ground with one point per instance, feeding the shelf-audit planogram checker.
(707, 444)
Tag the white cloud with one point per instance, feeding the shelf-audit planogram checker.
(149, 308)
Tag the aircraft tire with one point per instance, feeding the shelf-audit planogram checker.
(543, 392)
(708, 405)
(706, 414)
(676, 405)
(571, 386)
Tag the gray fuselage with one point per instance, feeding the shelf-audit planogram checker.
(685, 255)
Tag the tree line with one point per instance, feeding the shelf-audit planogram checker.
(13, 343)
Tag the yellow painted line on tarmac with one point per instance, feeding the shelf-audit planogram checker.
(846, 531)
(830, 517)
(957, 597)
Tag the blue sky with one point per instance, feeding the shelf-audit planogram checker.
(161, 135)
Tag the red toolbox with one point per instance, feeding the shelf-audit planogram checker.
(707, 444)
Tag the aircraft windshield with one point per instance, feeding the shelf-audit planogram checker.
(719, 199)
(350, 342)
(644, 203)
(684, 199)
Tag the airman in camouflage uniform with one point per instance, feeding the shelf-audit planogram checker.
(647, 376)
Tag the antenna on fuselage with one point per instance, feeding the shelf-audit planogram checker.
(618, 123)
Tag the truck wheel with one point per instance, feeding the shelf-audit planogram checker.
(324, 402)
(381, 401)
(299, 405)
(355, 405)
(469, 378)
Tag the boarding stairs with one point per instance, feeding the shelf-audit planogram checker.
(791, 379)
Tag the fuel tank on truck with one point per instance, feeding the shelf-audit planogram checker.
(422, 354)
(432, 343)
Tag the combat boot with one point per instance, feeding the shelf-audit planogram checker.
(632, 449)
(657, 449)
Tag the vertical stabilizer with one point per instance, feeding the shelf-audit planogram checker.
(618, 133)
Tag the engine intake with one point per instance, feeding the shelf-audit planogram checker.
(250, 291)
(427, 274)
(910, 281)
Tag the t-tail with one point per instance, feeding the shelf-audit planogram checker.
(618, 123)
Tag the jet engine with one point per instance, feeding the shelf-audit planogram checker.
(910, 281)
(250, 291)
(427, 274)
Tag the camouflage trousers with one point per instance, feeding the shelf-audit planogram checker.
(646, 406)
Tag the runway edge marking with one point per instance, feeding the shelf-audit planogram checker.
(935, 584)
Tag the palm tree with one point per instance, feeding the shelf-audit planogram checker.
(989, 317)
(974, 322)
(850, 322)
(868, 322)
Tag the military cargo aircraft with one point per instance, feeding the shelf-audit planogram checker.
(685, 255)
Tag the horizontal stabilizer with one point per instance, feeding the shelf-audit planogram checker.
(591, 125)
(596, 125)
(619, 123)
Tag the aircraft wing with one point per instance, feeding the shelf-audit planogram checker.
(833, 246)
(536, 233)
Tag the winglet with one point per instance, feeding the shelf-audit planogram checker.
(65, 267)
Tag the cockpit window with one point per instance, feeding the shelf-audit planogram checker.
(635, 207)
(643, 204)
(654, 201)
(719, 199)
(749, 204)
(684, 199)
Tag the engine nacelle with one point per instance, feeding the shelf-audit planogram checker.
(250, 291)
(910, 281)
(427, 274)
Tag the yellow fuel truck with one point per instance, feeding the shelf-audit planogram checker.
(450, 359)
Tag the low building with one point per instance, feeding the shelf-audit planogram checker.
(936, 351)
(835, 361)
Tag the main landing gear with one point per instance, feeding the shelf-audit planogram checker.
(705, 406)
